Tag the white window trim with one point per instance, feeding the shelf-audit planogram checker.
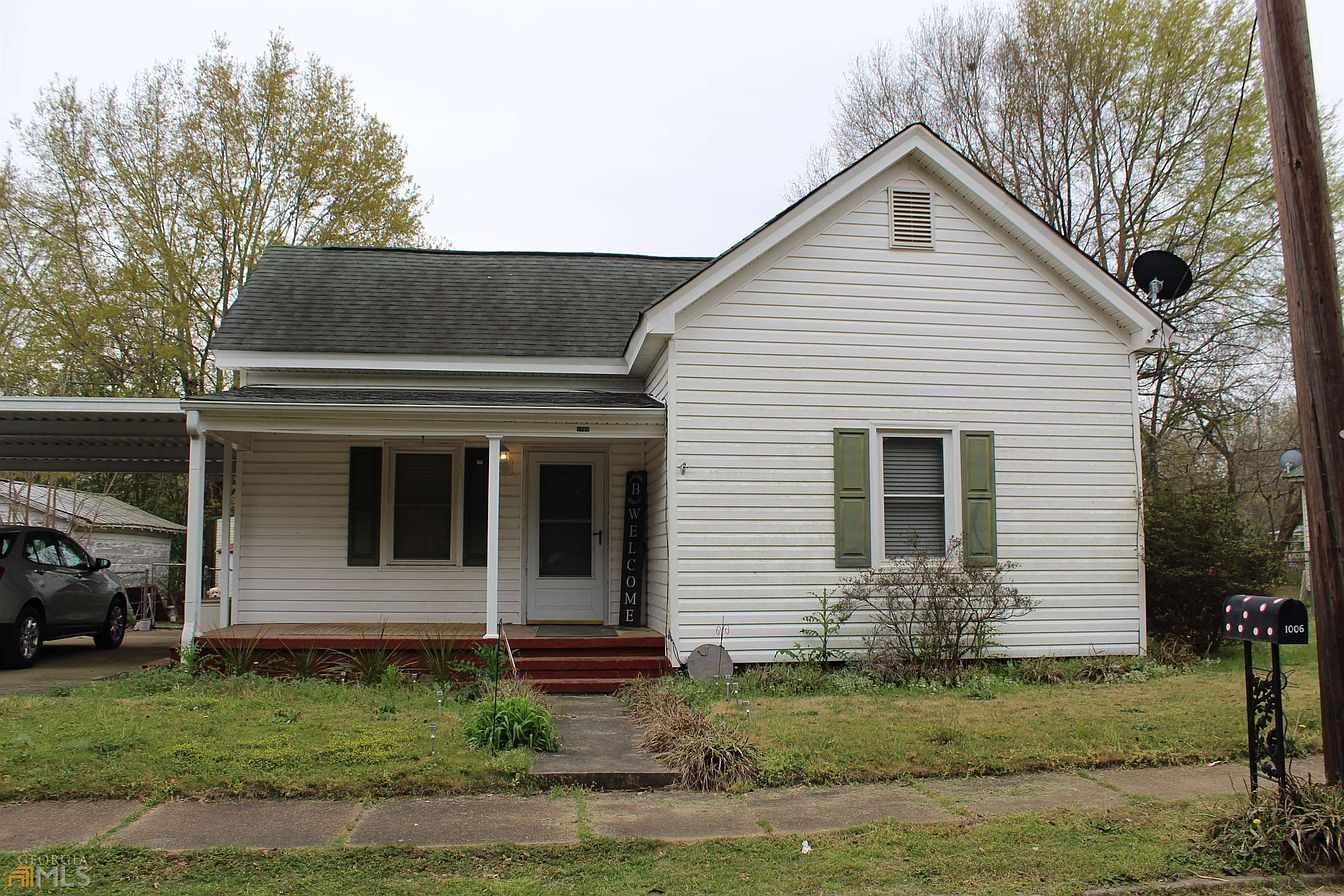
(390, 452)
(951, 438)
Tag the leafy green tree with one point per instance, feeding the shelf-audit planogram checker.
(132, 215)
(1127, 125)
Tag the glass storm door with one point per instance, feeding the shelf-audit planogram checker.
(566, 502)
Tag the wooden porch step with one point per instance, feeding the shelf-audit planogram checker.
(624, 645)
(589, 663)
(585, 685)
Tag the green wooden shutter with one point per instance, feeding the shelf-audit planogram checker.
(979, 521)
(852, 519)
(365, 511)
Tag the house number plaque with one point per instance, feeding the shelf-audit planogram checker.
(633, 548)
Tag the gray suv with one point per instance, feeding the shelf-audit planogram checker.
(52, 588)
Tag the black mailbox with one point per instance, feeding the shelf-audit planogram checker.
(1271, 620)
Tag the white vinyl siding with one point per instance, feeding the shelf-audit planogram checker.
(292, 549)
(842, 332)
(656, 573)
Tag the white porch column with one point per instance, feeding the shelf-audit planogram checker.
(492, 539)
(226, 541)
(195, 527)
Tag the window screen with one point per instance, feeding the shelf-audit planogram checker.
(422, 508)
(914, 513)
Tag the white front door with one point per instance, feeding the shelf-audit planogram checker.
(567, 499)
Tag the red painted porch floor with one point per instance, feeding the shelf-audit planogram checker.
(559, 664)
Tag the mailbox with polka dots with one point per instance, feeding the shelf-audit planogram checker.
(1273, 620)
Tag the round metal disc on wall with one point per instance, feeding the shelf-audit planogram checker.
(709, 661)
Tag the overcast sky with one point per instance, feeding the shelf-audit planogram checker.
(661, 127)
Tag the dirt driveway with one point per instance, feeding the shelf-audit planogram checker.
(76, 661)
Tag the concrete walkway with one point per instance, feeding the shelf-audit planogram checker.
(599, 748)
(561, 816)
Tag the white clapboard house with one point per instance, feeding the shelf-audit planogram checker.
(448, 436)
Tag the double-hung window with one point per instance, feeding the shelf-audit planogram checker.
(914, 495)
(422, 505)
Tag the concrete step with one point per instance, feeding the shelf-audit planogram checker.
(599, 748)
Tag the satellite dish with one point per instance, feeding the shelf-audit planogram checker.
(1290, 460)
(708, 662)
(1162, 275)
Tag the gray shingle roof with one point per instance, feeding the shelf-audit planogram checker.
(445, 398)
(410, 301)
(53, 506)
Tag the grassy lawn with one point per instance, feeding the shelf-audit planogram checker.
(1059, 852)
(999, 725)
(158, 733)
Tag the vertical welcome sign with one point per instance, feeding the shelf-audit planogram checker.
(633, 548)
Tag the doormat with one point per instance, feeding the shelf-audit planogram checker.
(576, 631)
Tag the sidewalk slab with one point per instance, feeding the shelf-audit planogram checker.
(254, 823)
(809, 810)
(26, 826)
(1178, 782)
(463, 821)
(671, 815)
(1025, 793)
(599, 747)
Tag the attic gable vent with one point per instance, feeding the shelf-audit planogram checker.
(911, 219)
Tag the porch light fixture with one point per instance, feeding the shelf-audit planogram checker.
(503, 453)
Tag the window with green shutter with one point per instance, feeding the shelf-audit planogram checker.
(978, 511)
(852, 541)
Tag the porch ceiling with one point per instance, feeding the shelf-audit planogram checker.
(94, 435)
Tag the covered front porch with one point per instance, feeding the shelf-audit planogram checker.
(407, 514)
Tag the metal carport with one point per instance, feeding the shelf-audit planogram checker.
(123, 435)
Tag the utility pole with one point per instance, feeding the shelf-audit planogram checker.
(1318, 342)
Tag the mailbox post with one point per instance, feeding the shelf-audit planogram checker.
(1273, 621)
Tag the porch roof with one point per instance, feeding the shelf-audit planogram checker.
(94, 435)
(428, 412)
(478, 399)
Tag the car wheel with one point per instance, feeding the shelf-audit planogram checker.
(114, 627)
(23, 644)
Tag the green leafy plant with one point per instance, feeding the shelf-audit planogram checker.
(308, 663)
(511, 723)
(443, 663)
(492, 663)
(370, 666)
(824, 624)
(1039, 670)
(235, 659)
(1199, 549)
(189, 658)
(1303, 829)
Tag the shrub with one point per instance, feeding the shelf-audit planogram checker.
(1304, 829)
(1040, 670)
(825, 624)
(705, 752)
(712, 756)
(931, 614)
(1200, 550)
(513, 722)
(1170, 652)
